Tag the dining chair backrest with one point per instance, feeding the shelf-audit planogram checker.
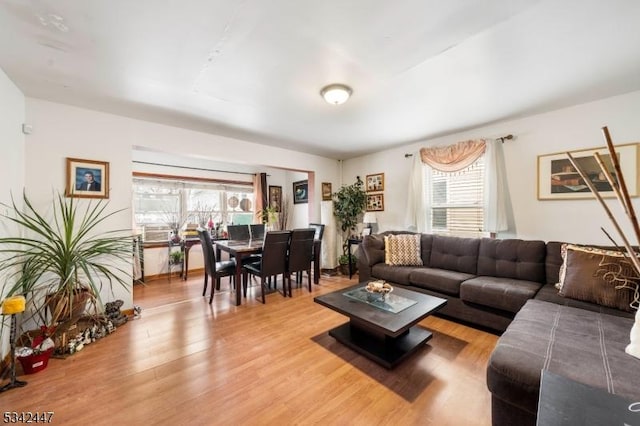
(207, 252)
(319, 230)
(238, 232)
(301, 249)
(257, 231)
(274, 252)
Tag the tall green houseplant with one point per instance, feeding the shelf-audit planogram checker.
(56, 260)
(348, 204)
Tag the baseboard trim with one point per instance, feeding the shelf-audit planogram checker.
(165, 275)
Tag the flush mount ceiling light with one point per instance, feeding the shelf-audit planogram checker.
(336, 94)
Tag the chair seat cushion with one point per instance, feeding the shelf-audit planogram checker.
(225, 265)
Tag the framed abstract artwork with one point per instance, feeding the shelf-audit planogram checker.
(301, 192)
(558, 179)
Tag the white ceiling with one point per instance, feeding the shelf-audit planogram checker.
(253, 69)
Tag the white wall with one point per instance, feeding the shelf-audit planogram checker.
(12, 116)
(572, 128)
(62, 131)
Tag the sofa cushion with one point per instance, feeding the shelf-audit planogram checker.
(394, 274)
(455, 253)
(584, 346)
(549, 293)
(402, 250)
(373, 247)
(512, 258)
(507, 294)
(440, 280)
(599, 276)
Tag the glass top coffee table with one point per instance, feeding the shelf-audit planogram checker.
(384, 331)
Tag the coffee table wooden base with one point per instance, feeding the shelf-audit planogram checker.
(385, 350)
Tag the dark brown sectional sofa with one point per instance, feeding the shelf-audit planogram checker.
(508, 286)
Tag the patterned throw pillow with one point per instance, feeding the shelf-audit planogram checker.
(402, 250)
(605, 277)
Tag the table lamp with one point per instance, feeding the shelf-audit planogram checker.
(369, 218)
(12, 306)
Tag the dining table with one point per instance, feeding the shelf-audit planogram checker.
(240, 249)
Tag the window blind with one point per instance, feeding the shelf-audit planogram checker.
(456, 201)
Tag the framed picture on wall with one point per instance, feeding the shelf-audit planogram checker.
(275, 197)
(301, 192)
(87, 178)
(559, 180)
(375, 202)
(375, 182)
(326, 191)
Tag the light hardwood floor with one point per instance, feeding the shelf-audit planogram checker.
(188, 362)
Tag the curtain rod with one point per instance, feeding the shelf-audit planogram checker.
(501, 139)
(193, 168)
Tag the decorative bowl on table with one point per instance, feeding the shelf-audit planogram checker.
(378, 290)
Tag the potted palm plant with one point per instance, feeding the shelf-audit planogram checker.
(61, 263)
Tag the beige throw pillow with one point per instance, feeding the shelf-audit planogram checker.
(402, 250)
(605, 277)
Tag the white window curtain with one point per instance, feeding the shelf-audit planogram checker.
(453, 158)
(495, 188)
(417, 215)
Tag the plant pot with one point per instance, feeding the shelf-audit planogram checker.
(344, 268)
(64, 308)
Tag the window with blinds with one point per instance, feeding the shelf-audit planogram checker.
(162, 204)
(456, 201)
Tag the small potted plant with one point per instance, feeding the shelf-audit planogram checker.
(176, 257)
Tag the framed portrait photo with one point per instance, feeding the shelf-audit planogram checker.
(375, 183)
(326, 191)
(559, 180)
(87, 178)
(275, 197)
(375, 202)
(301, 192)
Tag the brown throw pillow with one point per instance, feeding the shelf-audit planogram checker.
(402, 250)
(599, 276)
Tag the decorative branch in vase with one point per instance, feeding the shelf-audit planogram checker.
(622, 194)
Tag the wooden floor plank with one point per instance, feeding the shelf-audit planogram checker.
(188, 362)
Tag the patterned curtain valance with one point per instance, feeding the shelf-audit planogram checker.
(453, 158)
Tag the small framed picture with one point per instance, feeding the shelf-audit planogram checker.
(301, 192)
(326, 191)
(87, 178)
(375, 202)
(275, 197)
(375, 183)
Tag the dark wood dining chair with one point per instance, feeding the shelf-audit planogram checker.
(317, 249)
(213, 268)
(300, 256)
(238, 232)
(257, 231)
(272, 263)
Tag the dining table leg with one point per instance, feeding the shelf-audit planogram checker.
(238, 279)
